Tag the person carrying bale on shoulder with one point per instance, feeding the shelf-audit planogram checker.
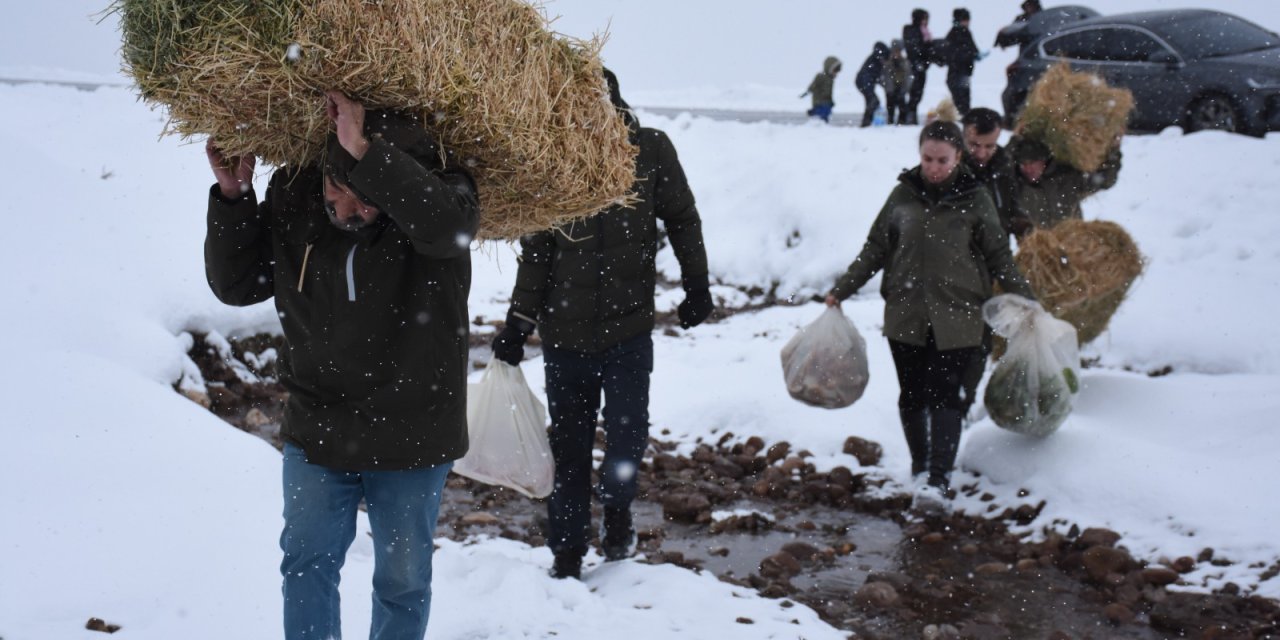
(939, 243)
(588, 289)
(367, 256)
(822, 89)
(1047, 190)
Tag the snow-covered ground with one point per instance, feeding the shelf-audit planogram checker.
(124, 501)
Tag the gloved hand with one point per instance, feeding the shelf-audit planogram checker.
(508, 345)
(1021, 226)
(696, 307)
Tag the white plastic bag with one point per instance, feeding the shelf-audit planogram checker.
(1033, 386)
(507, 426)
(825, 364)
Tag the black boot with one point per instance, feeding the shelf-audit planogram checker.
(567, 564)
(915, 426)
(618, 537)
(944, 445)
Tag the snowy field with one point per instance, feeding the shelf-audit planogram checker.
(124, 501)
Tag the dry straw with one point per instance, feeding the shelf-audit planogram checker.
(1081, 271)
(526, 110)
(1076, 115)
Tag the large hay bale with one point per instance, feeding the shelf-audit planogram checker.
(1076, 115)
(1081, 271)
(526, 111)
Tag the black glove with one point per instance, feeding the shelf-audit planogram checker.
(508, 345)
(696, 307)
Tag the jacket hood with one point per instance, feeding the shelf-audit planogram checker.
(831, 65)
(881, 51)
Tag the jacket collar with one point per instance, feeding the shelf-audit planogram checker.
(963, 185)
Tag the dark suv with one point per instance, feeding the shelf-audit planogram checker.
(1197, 69)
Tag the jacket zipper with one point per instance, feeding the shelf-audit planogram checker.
(351, 273)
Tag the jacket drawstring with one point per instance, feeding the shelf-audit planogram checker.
(303, 273)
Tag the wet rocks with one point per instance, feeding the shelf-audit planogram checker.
(1159, 576)
(1097, 538)
(686, 507)
(991, 569)
(98, 624)
(479, 519)
(880, 595)
(1101, 562)
(867, 452)
(780, 565)
(941, 632)
(1118, 614)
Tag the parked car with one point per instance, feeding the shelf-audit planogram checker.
(1198, 69)
(1043, 23)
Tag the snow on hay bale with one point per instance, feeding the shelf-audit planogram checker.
(1076, 115)
(1081, 271)
(525, 110)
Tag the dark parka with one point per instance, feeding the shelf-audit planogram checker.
(939, 250)
(375, 320)
(590, 285)
(962, 51)
(1058, 194)
(872, 68)
(918, 49)
(996, 177)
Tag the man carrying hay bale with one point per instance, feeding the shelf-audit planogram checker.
(588, 288)
(1047, 191)
(1067, 147)
(367, 256)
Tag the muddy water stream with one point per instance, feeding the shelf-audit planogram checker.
(868, 565)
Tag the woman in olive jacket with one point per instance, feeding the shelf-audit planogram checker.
(939, 242)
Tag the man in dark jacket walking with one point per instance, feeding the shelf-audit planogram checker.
(588, 288)
(962, 54)
(867, 79)
(367, 257)
(992, 166)
(919, 42)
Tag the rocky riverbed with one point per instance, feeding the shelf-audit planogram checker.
(758, 514)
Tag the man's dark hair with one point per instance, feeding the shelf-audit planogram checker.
(943, 131)
(1031, 6)
(960, 15)
(982, 119)
(918, 17)
(615, 96)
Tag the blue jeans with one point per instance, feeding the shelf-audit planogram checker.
(319, 525)
(574, 383)
(822, 111)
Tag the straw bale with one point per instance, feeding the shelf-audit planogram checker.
(1077, 115)
(946, 111)
(525, 110)
(1081, 271)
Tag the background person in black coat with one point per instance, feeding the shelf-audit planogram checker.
(962, 54)
(867, 79)
(917, 39)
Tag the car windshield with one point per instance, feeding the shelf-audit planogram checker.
(1215, 36)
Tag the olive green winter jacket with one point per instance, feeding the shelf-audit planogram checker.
(823, 84)
(939, 250)
(1061, 189)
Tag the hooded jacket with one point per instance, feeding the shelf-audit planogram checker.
(1059, 193)
(375, 320)
(872, 68)
(939, 250)
(823, 83)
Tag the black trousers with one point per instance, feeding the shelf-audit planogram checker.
(958, 84)
(895, 105)
(911, 115)
(575, 382)
(869, 94)
(930, 404)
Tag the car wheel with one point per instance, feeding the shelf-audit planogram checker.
(1212, 113)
